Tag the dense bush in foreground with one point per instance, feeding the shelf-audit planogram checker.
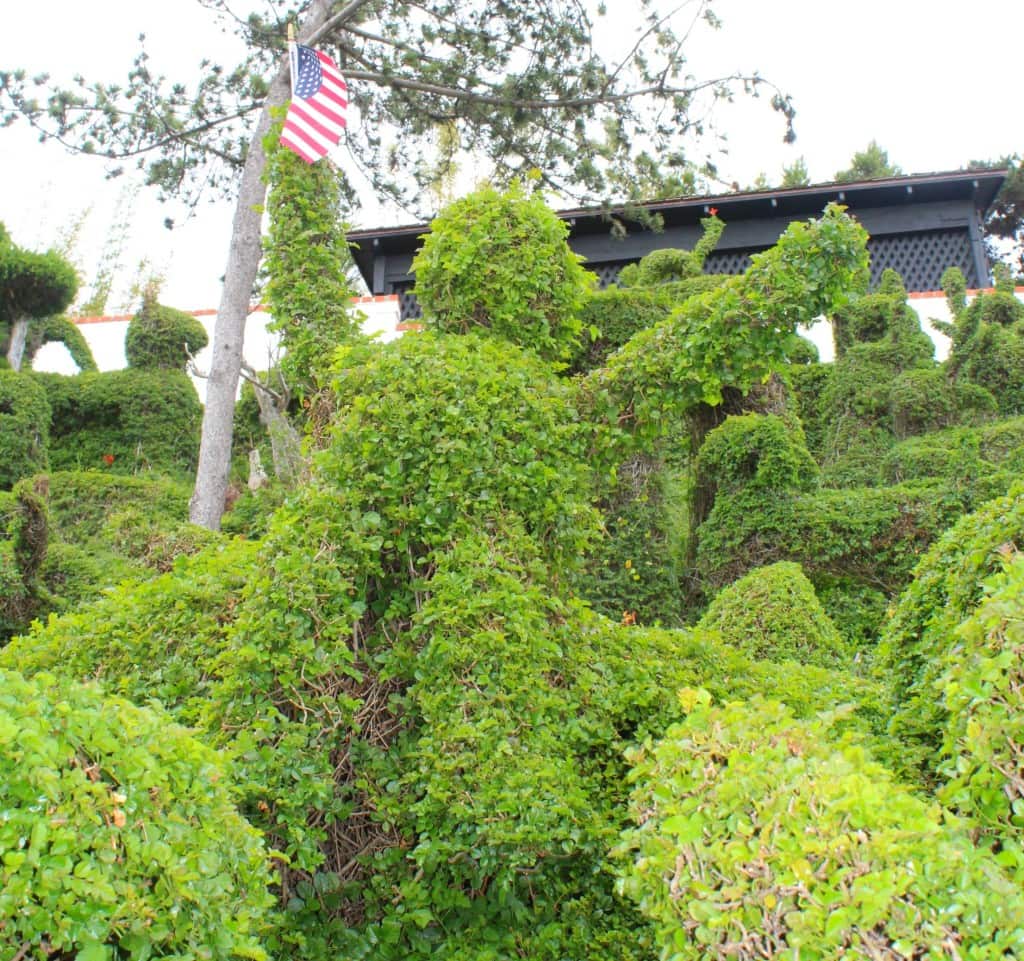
(120, 840)
(759, 836)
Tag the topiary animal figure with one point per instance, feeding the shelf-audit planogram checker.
(162, 338)
(987, 338)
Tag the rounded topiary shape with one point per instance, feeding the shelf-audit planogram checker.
(33, 285)
(500, 262)
(945, 591)
(761, 836)
(24, 427)
(773, 614)
(162, 337)
(119, 837)
(982, 684)
(757, 450)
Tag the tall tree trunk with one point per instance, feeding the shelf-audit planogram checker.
(207, 504)
(16, 347)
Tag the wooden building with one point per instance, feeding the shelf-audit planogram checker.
(918, 225)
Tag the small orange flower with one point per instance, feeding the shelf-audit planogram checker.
(108, 459)
(713, 211)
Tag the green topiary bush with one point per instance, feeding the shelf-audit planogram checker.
(161, 338)
(119, 838)
(610, 317)
(761, 836)
(63, 331)
(945, 591)
(124, 421)
(24, 428)
(773, 614)
(982, 681)
(757, 452)
(873, 536)
(500, 262)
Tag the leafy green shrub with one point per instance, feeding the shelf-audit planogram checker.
(123, 421)
(922, 400)
(880, 317)
(24, 530)
(118, 838)
(873, 536)
(83, 502)
(24, 428)
(634, 571)
(988, 339)
(33, 287)
(757, 452)
(63, 331)
(773, 613)
(160, 638)
(945, 591)
(161, 338)
(668, 266)
(857, 609)
(802, 351)
(807, 384)
(982, 681)
(610, 317)
(733, 337)
(760, 836)
(501, 262)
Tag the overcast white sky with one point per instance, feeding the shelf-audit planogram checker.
(935, 89)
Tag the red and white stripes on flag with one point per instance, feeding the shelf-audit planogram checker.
(316, 115)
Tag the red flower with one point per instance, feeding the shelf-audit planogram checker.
(713, 211)
(108, 459)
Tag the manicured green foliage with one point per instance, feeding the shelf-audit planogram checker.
(757, 452)
(856, 607)
(159, 638)
(123, 421)
(500, 262)
(162, 338)
(802, 351)
(24, 427)
(982, 682)
(988, 339)
(873, 535)
(610, 317)
(735, 336)
(306, 257)
(24, 528)
(883, 318)
(945, 591)
(773, 614)
(63, 331)
(90, 531)
(763, 836)
(120, 838)
(32, 286)
(670, 266)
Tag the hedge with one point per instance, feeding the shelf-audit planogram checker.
(24, 428)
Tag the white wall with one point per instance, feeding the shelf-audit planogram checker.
(105, 337)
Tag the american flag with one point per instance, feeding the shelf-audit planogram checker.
(316, 115)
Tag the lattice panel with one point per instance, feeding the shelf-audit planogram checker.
(728, 261)
(608, 273)
(921, 258)
(408, 306)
